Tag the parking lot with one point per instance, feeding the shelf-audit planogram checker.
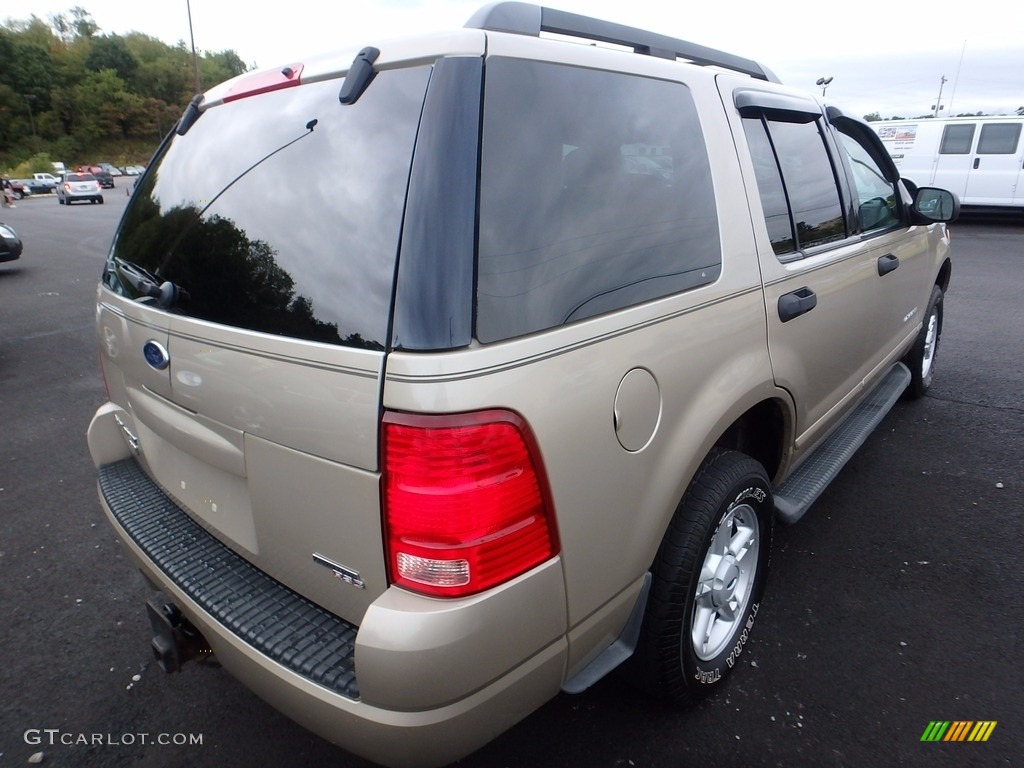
(895, 602)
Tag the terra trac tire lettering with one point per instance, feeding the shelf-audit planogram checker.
(709, 577)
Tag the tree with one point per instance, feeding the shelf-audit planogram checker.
(83, 23)
(873, 117)
(111, 52)
(101, 106)
(28, 66)
(90, 92)
(218, 67)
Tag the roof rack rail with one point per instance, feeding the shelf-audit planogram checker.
(527, 19)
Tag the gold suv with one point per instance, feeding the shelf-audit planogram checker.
(516, 394)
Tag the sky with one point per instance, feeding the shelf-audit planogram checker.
(891, 58)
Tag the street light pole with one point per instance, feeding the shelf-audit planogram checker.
(195, 59)
(29, 98)
(823, 82)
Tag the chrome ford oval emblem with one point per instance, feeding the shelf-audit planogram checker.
(156, 355)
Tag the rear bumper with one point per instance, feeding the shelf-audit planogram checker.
(274, 620)
(349, 684)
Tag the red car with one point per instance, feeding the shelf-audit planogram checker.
(102, 176)
(20, 190)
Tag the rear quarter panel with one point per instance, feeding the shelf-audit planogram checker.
(704, 357)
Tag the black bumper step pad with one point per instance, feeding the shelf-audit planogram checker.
(277, 622)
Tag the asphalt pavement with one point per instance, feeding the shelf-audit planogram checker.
(895, 602)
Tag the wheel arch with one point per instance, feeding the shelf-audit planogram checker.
(761, 433)
(760, 424)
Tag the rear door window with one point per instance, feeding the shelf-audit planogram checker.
(797, 183)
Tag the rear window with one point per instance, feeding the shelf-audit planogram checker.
(596, 194)
(267, 224)
(80, 177)
(999, 139)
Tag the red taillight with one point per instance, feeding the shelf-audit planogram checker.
(465, 507)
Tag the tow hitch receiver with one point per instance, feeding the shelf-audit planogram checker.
(175, 639)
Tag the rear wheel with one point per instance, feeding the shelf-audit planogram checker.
(921, 358)
(709, 576)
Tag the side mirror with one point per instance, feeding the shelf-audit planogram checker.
(932, 204)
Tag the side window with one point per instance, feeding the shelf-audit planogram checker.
(877, 199)
(770, 188)
(956, 139)
(796, 182)
(606, 201)
(999, 139)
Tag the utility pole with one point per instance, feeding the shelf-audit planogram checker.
(937, 106)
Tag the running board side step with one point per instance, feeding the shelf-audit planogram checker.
(796, 494)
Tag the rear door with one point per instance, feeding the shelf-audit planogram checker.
(818, 279)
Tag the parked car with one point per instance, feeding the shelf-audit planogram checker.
(112, 169)
(78, 186)
(133, 170)
(520, 403)
(40, 183)
(10, 243)
(106, 181)
(20, 189)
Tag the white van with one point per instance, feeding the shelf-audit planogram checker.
(981, 159)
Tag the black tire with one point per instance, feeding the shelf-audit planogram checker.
(99, 200)
(695, 627)
(922, 356)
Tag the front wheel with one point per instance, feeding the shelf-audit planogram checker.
(709, 577)
(921, 358)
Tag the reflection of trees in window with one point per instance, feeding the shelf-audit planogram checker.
(829, 231)
(229, 278)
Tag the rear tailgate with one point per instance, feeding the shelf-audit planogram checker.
(274, 455)
(243, 319)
